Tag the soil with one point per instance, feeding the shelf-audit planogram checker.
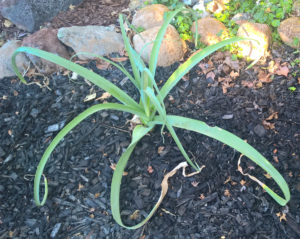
(218, 203)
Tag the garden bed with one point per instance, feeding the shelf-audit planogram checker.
(217, 202)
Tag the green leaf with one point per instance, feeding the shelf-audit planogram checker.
(138, 133)
(239, 145)
(191, 62)
(63, 133)
(87, 74)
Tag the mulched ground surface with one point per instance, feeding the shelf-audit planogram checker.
(79, 171)
(209, 205)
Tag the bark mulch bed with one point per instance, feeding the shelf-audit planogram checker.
(209, 205)
(218, 203)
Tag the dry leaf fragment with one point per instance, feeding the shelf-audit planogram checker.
(119, 59)
(242, 182)
(201, 196)
(80, 186)
(102, 65)
(264, 77)
(143, 237)
(276, 159)
(282, 71)
(160, 149)
(227, 180)
(150, 169)
(274, 115)
(113, 167)
(7, 23)
(134, 215)
(97, 195)
(282, 216)
(268, 125)
(268, 176)
(71, 7)
(104, 96)
(90, 97)
(195, 183)
(227, 193)
(211, 75)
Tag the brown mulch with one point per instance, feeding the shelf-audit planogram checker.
(91, 12)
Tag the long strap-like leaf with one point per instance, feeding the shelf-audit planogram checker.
(138, 133)
(87, 74)
(191, 62)
(239, 145)
(62, 134)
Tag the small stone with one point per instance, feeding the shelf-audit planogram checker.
(149, 16)
(104, 114)
(289, 32)
(55, 127)
(259, 130)
(30, 222)
(171, 50)
(6, 52)
(46, 39)
(34, 112)
(55, 230)
(259, 32)
(97, 40)
(210, 30)
(114, 117)
(226, 117)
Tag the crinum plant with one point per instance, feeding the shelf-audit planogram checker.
(151, 112)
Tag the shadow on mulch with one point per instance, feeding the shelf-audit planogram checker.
(209, 205)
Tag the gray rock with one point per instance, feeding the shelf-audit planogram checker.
(259, 130)
(6, 52)
(55, 230)
(31, 14)
(34, 112)
(97, 40)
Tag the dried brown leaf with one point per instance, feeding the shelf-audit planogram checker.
(264, 77)
(282, 71)
(211, 74)
(150, 169)
(134, 215)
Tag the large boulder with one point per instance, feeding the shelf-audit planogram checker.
(45, 39)
(149, 16)
(31, 14)
(171, 50)
(289, 32)
(97, 40)
(6, 52)
(210, 30)
(259, 32)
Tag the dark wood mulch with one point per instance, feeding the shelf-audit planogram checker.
(79, 171)
(208, 205)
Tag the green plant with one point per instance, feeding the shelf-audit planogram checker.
(292, 89)
(269, 12)
(151, 111)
